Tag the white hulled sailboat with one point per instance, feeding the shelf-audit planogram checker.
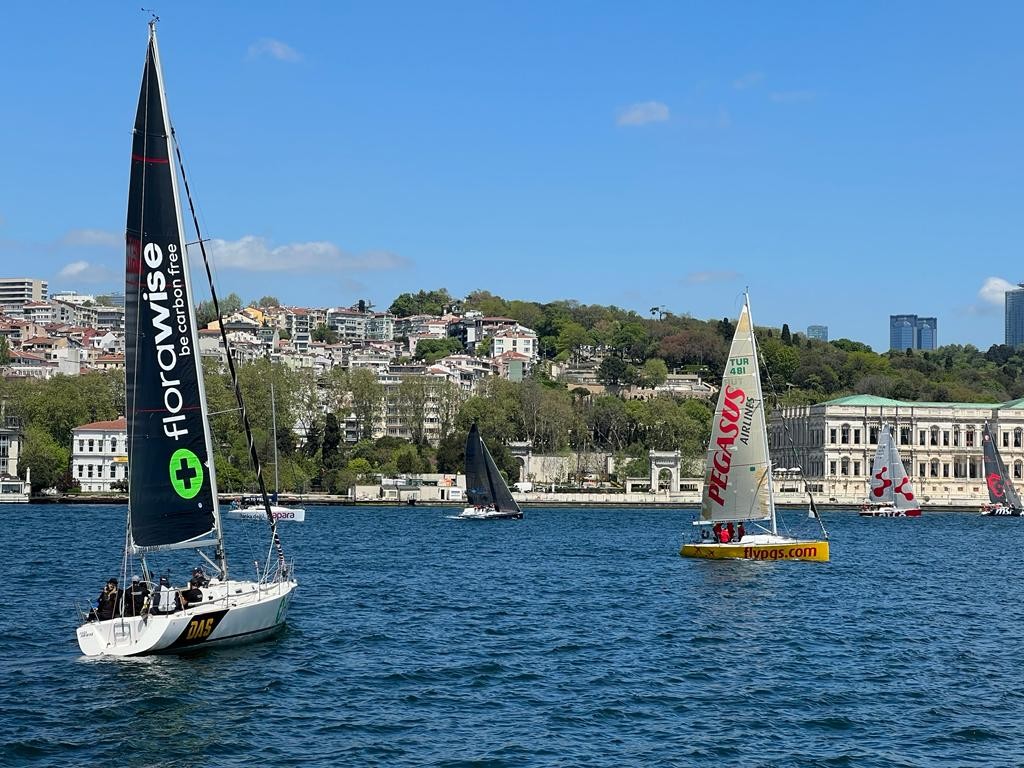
(489, 496)
(172, 480)
(891, 493)
(738, 479)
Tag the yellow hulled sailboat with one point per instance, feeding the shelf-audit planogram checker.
(738, 479)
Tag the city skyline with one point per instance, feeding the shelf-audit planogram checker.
(842, 163)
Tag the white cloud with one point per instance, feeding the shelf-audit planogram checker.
(749, 80)
(992, 291)
(81, 271)
(702, 278)
(791, 97)
(275, 49)
(254, 254)
(643, 113)
(74, 270)
(92, 237)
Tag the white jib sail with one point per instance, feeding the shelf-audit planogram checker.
(882, 481)
(737, 485)
(902, 489)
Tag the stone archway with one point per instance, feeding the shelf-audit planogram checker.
(665, 460)
(522, 452)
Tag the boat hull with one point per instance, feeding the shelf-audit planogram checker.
(1001, 510)
(472, 513)
(259, 513)
(231, 613)
(889, 511)
(779, 548)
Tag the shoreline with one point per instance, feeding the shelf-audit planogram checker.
(325, 500)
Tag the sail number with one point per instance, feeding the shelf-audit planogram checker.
(738, 366)
(199, 629)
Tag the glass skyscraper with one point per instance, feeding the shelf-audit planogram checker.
(1015, 316)
(913, 332)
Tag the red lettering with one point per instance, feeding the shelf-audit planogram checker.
(735, 393)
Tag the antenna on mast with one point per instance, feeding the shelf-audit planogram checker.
(153, 17)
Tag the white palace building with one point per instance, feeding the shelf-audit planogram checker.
(833, 443)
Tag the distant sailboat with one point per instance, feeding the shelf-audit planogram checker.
(891, 493)
(488, 494)
(1002, 496)
(172, 488)
(252, 508)
(738, 480)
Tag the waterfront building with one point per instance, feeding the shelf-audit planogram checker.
(15, 291)
(834, 442)
(1014, 309)
(99, 454)
(913, 332)
(817, 332)
(12, 488)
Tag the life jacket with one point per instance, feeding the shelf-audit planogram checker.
(163, 598)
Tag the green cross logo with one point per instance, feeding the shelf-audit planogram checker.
(186, 472)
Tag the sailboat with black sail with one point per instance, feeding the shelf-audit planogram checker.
(738, 479)
(891, 493)
(489, 496)
(172, 486)
(1003, 500)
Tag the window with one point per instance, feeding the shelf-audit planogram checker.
(921, 469)
(113, 471)
(832, 468)
(832, 438)
(856, 437)
(81, 469)
(935, 435)
(81, 446)
(1018, 469)
(113, 445)
(1017, 434)
(945, 437)
(845, 434)
(956, 437)
(1006, 439)
(91, 443)
(934, 468)
(845, 466)
(88, 470)
(921, 437)
(856, 469)
(873, 436)
(945, 469)
(969, 438)
(904, 435)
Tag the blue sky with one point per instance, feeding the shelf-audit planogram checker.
(844, 160)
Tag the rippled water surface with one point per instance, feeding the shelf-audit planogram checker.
(573, 637)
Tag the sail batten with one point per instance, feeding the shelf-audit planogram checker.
(172, 490)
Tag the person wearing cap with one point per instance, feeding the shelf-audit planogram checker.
(199, 578)
(135, 599)
(108, 601)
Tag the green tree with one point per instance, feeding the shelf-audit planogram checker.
(324, 334)
(367, 397)
(432, 350)
(48, 459)
(5, 351)
(266, 302)
(654, 373)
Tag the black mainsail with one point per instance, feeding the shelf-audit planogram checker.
(172, 488)
(485, 486)
(1000, 487)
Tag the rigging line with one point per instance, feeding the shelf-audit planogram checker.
(234, 375)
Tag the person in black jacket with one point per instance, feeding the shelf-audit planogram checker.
(135, 598)
(108, 602)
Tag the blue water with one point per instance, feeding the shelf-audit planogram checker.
(570, 638)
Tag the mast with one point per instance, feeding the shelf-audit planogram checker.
(764, 432)
(273, 425)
